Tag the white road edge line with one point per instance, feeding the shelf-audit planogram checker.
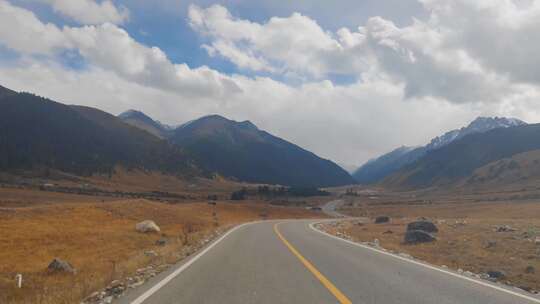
(171, 276)
(536, 300)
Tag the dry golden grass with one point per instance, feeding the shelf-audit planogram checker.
(465, 230)
(100, 241)
(14, 197)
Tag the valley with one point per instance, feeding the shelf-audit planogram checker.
(269, 152)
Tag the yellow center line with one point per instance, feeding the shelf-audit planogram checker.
(331, 287)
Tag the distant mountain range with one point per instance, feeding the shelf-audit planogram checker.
(240, 150)
(500, 156)
(378, 169)
(38, 133)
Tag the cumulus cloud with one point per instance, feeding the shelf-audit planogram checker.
(90, 11)
(109, 47)
(466, 51)
(22, 31)
(496, 33)
(294, 44)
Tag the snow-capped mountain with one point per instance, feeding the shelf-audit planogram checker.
(377, 169)
(479, 125)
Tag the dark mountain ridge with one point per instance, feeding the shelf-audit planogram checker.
(459, 159)
(38, 132)
(241, 150)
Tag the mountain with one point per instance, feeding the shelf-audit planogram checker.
(479, 125)
(142, 121)
(6, 92)
(463, 159)
(516, 171)
(378, 169)
(36, 132)
(242, 151)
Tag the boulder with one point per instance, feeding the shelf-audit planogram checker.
(418, 236)
(504, 228)
(382, 219)
(425, 226)
(58, 265)
(496, 274)
(147, 226)
(490, 244)
(530, 269)
(162, 242)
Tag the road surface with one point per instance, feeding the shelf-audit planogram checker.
(290, 262)
(330, 208)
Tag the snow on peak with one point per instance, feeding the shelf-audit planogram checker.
(479, 125)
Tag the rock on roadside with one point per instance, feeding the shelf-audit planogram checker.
(496, 274)
(382, 219)
(147, 226)
(418, 236)
(425, 226)
(58, 265)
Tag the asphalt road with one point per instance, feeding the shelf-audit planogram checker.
(330, 208)
(289, 262)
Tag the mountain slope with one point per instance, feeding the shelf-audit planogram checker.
(37, 132)
(459, 159)
(387, 164)
(6, 92)
(241, 150)
(142, 121)
(519, 169)
(376, 169)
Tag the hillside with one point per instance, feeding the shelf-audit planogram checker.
(242, 151)
(36, 132)
(379, 168)
(518, 170)
(142, 121)
(458, 160)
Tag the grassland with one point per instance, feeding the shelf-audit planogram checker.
(97, 235)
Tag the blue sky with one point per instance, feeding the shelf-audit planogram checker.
(348, 80)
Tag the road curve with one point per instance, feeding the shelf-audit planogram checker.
(331, 207)
(266, 263)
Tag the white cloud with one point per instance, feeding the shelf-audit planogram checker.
(111, 48)
(499, 34)
(90, 11)
(484, 48)
(22, 31)
(294, 44)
